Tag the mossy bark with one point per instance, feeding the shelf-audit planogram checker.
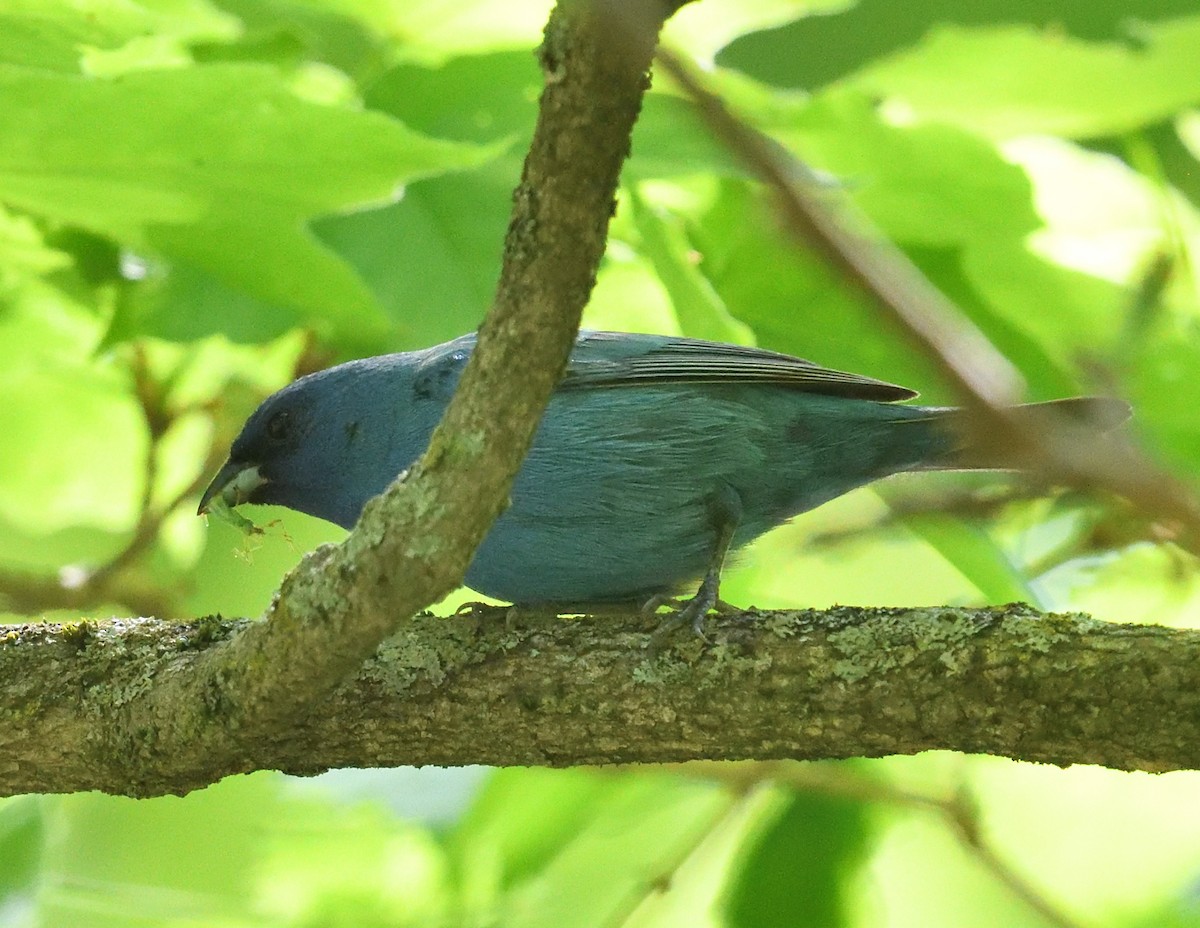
(543, 690)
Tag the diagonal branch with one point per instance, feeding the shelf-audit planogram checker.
(845, 682)
(413, 543)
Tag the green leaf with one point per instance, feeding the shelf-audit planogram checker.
(74, 449)
(629, 296)
(670, 139)
(352, 864)
(931, 185)
(471, 98)
(432, 260)
(635, 836)
(297, 35)
(536, 839)
(815, 51)
(522, 819)
(185, 302)
(702, 30)
(1014, 80)
(22, 831)
(792, 299)
(976, 555)
(962, 212)
(237, 577)
(798, 872)
(24, 252)
(1160, 378)
(111, 861)
(52, 36)
(433, 31)
(698, 307)
(224, 176)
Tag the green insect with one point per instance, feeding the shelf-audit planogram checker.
(223, 512)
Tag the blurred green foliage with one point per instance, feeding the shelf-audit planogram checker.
(201, 200)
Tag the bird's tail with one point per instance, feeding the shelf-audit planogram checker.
(1079, 420)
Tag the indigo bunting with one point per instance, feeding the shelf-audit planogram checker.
(655, 457)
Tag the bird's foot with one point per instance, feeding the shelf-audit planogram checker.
(685, 612)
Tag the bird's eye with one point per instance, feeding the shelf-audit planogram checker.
(279, 426)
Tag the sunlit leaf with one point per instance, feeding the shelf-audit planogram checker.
(704, 30)
(639, 829)
(814, 51)
(53, 36)
(977, 556)
(74, 450)
(1015, 80)
(224, 176)
(111, 861)
(698, 306)
(21, 835)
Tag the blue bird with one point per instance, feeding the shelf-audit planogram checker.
(655, 458)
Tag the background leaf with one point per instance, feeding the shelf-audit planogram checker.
(223, 176)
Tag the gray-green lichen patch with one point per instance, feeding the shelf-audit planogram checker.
(727, 655)
(781, 624)
(1038, 632)
(668, 667)
(888, 640)
(730, 659)
(426, 653)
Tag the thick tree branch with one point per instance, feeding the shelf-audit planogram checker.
(845, 682)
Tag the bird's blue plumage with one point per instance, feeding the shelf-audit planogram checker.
(649, 450)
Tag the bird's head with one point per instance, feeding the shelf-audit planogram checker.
(322, 445)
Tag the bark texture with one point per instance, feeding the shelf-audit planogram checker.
(545, 690)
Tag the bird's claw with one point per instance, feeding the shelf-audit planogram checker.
(475, 609)
(691, 612)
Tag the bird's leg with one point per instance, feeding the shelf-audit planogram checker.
(726, 514)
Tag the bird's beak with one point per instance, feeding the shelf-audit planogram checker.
(234, 483)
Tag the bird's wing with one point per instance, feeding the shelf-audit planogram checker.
(617, 359)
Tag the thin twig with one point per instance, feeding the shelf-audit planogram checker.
(960, 812)
(924, 314)
(987, 384)
(151, 522)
